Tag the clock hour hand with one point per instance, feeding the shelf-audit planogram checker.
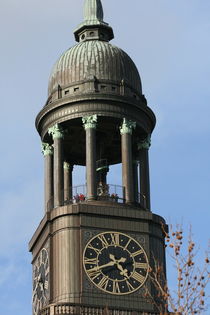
(112, 257)
(124, 272)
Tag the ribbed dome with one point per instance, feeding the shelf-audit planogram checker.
(94, 58)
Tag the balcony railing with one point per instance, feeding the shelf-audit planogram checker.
(105, 192)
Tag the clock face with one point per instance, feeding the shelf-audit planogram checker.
(40, 281)
(116, 263)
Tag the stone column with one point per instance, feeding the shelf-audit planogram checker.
(135, 180)
(127, 162)
(47, 151)
(143, 147)
(58, 135)
(89, 123)
(67, 171)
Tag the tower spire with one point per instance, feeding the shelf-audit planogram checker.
(93, 19)
(93, 11)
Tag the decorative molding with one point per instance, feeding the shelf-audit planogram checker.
(89, 121)
(67, 166)
(88, 309)
(145, 144)
(47, 149)
(56, 131)
(127, 126)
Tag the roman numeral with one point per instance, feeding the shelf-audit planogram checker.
(103, 283)
(103, 240)
(127, 244)
(115, 239)
(130, 287)
(93, 273)
(141, 265)
(116, 288)
(138, 277)
(90, 261)
(139, 252)
(90, 246)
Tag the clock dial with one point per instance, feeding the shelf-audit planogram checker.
(116, 263)
(40, 281)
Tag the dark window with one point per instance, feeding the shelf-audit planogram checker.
(66, 92)
(76, 89)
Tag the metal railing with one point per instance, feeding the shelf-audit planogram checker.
(105, 192)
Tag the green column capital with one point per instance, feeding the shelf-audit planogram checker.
(47, 149)
(127, 126)
(56, 131)
(145, 144)
(89, 121)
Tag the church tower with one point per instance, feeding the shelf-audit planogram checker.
(93, 248)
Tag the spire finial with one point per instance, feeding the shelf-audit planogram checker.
(93, 19)
(93, 11)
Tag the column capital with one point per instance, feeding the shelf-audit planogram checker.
(145, 144)
(67, 166)
(56, 131)
(89, 121)
(127, 126)
(47, 149)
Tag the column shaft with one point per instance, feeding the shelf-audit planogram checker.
(135, 181)
(67, 181)
(48, 183)
(47, 151)
(144, 178)
(58, 172)
(91, 163)
(127, 168)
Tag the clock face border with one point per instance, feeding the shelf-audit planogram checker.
(41, 264)
(93, 267)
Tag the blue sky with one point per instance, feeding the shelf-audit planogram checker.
(169, 42)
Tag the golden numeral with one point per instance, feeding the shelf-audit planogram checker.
(139, 252)
(127, 244)
(103, 240)
(115, 239)
(116, 288)
(103, 283)
(93, 273)
(90, 261)
(90, 246)
(138, 277)
(130, 287)
(141, 265)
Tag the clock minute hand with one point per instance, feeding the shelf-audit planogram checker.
(111, 263)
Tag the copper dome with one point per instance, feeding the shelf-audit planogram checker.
(94, 59)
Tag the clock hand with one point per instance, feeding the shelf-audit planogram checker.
(111, 263)
(112, 257)
(124, 272)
